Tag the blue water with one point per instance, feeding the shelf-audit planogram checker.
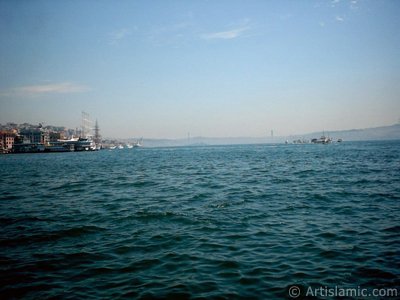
(220, 222)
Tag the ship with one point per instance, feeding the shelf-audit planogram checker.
(75, 144)
(322, 140)
(138, 143)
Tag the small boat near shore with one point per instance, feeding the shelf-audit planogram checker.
(138, 143)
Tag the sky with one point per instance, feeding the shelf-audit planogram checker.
(223, 68)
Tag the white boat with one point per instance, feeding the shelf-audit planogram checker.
(120, 147)
(138, 143)
(322, 140)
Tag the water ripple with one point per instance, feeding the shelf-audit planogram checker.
(210, 222)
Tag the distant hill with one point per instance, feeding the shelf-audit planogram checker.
(368, 134)
(378, 133)
(205, 141)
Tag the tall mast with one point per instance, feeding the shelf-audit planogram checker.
(85, 124)
(97, 136)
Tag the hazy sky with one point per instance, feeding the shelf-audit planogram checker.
(161, 69)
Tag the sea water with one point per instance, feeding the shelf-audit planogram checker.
(223, 222)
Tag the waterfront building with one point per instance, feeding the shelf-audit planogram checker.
(7, 139)
(55, 136)
(35, 136)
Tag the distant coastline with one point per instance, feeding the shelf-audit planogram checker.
(391, 132)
